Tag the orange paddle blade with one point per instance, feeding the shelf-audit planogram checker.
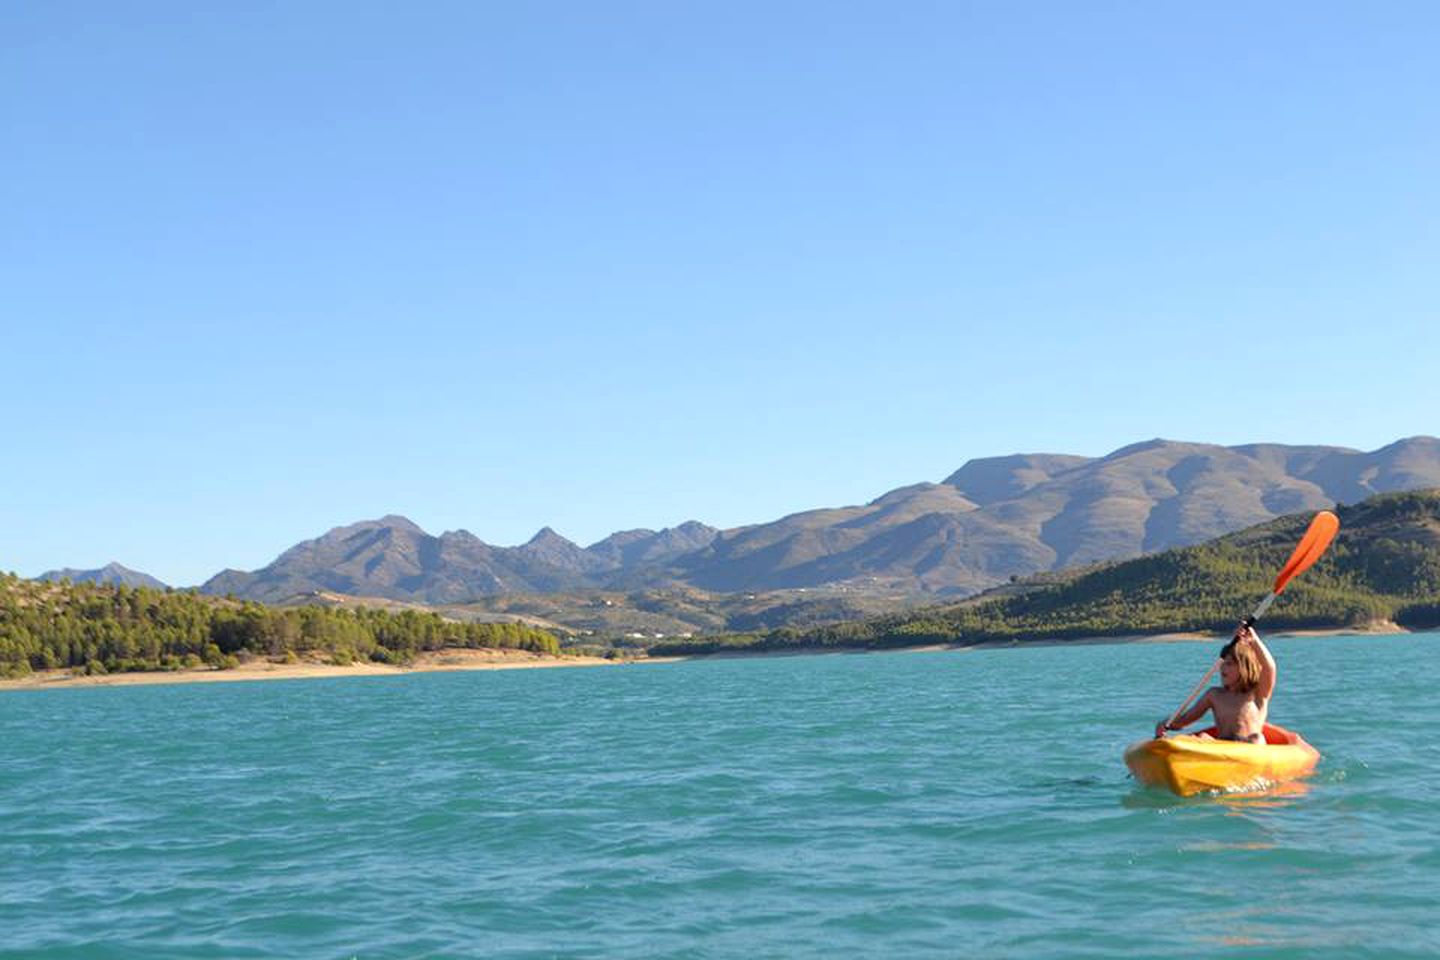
(1322, 530)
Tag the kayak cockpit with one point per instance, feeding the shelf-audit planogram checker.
(1275, 736)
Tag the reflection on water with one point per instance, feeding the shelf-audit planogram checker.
(1213, 846)
(1257, 795)
(1265, 794)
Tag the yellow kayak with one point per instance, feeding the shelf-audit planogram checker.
(1191, 764)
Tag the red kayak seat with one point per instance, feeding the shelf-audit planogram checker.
(1273, 734)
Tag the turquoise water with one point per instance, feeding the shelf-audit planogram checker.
(905, 805)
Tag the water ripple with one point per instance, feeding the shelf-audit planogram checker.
(902, 805)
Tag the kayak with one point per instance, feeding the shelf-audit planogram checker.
(1191, 764)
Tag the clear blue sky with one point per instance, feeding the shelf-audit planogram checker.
(267, 268)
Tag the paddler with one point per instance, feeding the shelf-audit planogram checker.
(1241, 705)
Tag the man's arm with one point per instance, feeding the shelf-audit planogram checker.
(1268, 670)
(1186, 718)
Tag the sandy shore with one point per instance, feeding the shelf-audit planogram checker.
(1377, 627)
(260, 669)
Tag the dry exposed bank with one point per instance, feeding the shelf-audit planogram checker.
(260, 669)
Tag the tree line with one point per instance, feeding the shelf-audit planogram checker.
(96, 628)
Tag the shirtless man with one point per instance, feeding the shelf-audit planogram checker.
(1247, 671)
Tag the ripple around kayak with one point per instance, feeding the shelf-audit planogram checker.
(825, 807)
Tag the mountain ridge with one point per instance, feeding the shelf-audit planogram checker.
(1382, 571)
(992, 519)
(112, 573)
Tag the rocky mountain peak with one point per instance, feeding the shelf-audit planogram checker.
(547, 537)
(111, 573)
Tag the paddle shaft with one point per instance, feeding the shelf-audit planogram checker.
(1193, 694)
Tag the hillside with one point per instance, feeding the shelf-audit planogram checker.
(1014, 516)
(1384, 565)
(989, 521)
(641, 617)
(100, 628)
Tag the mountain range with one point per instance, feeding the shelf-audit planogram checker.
(992, 520)
(1382, 572)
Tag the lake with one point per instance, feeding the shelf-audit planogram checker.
(926, 804)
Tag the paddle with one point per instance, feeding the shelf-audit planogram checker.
(1317, 537)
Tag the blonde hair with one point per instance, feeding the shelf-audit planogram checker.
(1247, 665)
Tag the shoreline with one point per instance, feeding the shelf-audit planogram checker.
(1377, 628)
(440, 661)
(464, 659)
